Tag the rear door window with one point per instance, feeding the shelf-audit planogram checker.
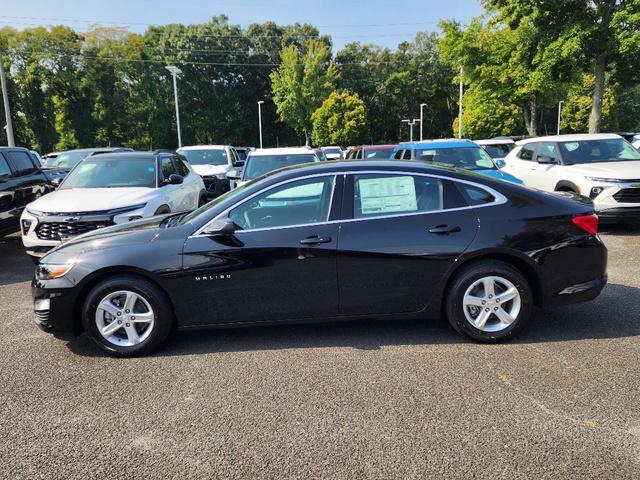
(5, 171)
(381, 195)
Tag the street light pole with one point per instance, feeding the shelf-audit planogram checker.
(559, 114)
(460, 104)
(260, 120)
(7, 112)
(175, 71)
(422, 105)
(411, 123)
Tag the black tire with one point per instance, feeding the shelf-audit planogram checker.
(465, 278)
(203, 200)
(158, 301)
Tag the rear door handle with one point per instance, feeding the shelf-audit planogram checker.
(444, 229)
(315, 240)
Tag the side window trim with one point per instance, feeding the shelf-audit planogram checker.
(347, 197)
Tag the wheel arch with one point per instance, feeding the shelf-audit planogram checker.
(164, 208)
(566, 185)
(98, 276)
(523, 265)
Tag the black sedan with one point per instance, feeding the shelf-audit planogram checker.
(329, 241)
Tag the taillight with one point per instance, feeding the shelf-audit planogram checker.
(588, 223)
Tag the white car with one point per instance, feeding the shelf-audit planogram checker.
(497, 148)
(212, 163)
(264, 160)
(109, 189)
(636, 142)
(333, 153)
(603, 167)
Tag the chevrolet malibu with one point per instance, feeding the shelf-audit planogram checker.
(328, 241)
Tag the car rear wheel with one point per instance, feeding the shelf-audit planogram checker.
(127, 316)
(490, 301)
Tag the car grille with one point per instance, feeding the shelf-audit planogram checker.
(628, 195)
(59, 230)
(42, 316)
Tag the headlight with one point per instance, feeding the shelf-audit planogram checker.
(35, 213)
(46, 271)
(606, 180)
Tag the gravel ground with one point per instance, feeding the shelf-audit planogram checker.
(357, 400)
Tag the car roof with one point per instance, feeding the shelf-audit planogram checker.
(129, 155)
(204, 147)
(438, 144)
(374, 147)
(282, 151)
(92, 149)
(571, 138)
(495, 141)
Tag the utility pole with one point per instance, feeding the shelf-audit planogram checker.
(175, 71)
(7, 111)
(411, 123)
(559, 114)
(422, 105)
(260, 120)
(460, 104)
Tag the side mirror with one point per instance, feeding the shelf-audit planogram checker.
(220, 227)
(174, 179)
(233, 174)
(56, 181)
(545, 160)
(500, 163)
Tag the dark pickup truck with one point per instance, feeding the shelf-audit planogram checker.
(21, 182)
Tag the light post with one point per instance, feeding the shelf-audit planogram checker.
(461, 93)
(559, 114)
(260, 120)
(175, 71)
(7, 112)
(422, 105)
(411, 123)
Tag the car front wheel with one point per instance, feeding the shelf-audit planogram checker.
(127, 316)
(489, 301)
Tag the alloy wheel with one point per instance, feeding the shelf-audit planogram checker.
(124, 318)
(491, 304)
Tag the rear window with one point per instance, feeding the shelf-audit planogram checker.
(498, 150)
(258, 165)
(378, 153)
(468, 158)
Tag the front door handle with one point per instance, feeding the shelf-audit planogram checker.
(444, 229)
(314, 240)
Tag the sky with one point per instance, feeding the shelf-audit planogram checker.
(381, 22)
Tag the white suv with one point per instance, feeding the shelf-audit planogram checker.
(109, 189)
(603, 167)
(212, 163)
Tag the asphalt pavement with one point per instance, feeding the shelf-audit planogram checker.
(375, 399)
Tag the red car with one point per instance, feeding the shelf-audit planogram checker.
(370, 152)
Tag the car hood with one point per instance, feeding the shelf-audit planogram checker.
(623, 169)
(499, 174)
(91, 199)
(209, 170)
(140, 231)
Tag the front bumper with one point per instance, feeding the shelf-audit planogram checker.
(611, 215)
(58, 315)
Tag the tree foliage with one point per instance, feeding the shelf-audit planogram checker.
(301, 83)
(340, 120)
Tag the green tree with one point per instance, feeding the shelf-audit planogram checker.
(340, 120)
(301, 83)
(577, 107)
(607, 32)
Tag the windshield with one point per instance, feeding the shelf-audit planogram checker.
(332, 150)
(112, 173)
(595, 151)
(378, 153)
(499, 150)
(469, 158)
(206, 157)
(258, 165)
(67, 159)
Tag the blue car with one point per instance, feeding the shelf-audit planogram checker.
(457, 153)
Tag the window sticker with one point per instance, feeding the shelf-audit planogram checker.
(387, 195)
(151, 169)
